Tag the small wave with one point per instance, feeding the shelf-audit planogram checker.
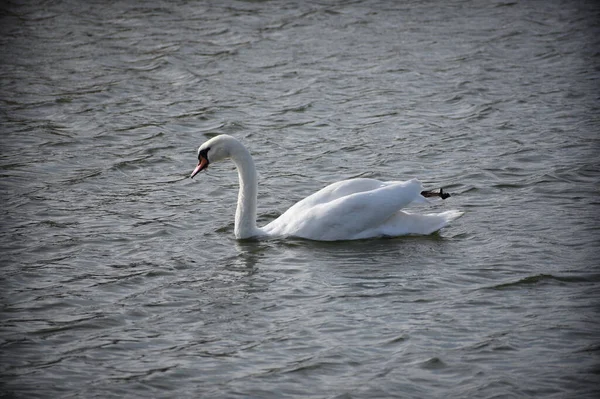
(540, 279)
(435, 363)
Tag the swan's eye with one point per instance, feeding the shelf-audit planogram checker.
(203, 154)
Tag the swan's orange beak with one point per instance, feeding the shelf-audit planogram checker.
(202, 164)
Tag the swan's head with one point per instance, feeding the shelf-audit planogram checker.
(214, 150)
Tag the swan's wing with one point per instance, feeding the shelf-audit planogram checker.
(339, 189)
(346, 216)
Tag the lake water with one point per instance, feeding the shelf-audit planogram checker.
(121, 277)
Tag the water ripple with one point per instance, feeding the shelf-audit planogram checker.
(120, 274)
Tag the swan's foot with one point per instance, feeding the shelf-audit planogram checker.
(431, 193)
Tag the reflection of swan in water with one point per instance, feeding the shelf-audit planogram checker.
(345, 210)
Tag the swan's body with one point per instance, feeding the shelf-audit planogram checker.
(345, 210)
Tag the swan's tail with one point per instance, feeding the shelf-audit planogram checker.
(450, 215)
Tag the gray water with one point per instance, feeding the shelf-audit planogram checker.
(120, 276)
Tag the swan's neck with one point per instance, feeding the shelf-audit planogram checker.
(245, 214)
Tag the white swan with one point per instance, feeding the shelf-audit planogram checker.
(345, 210)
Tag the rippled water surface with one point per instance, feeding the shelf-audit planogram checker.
(120, 276)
